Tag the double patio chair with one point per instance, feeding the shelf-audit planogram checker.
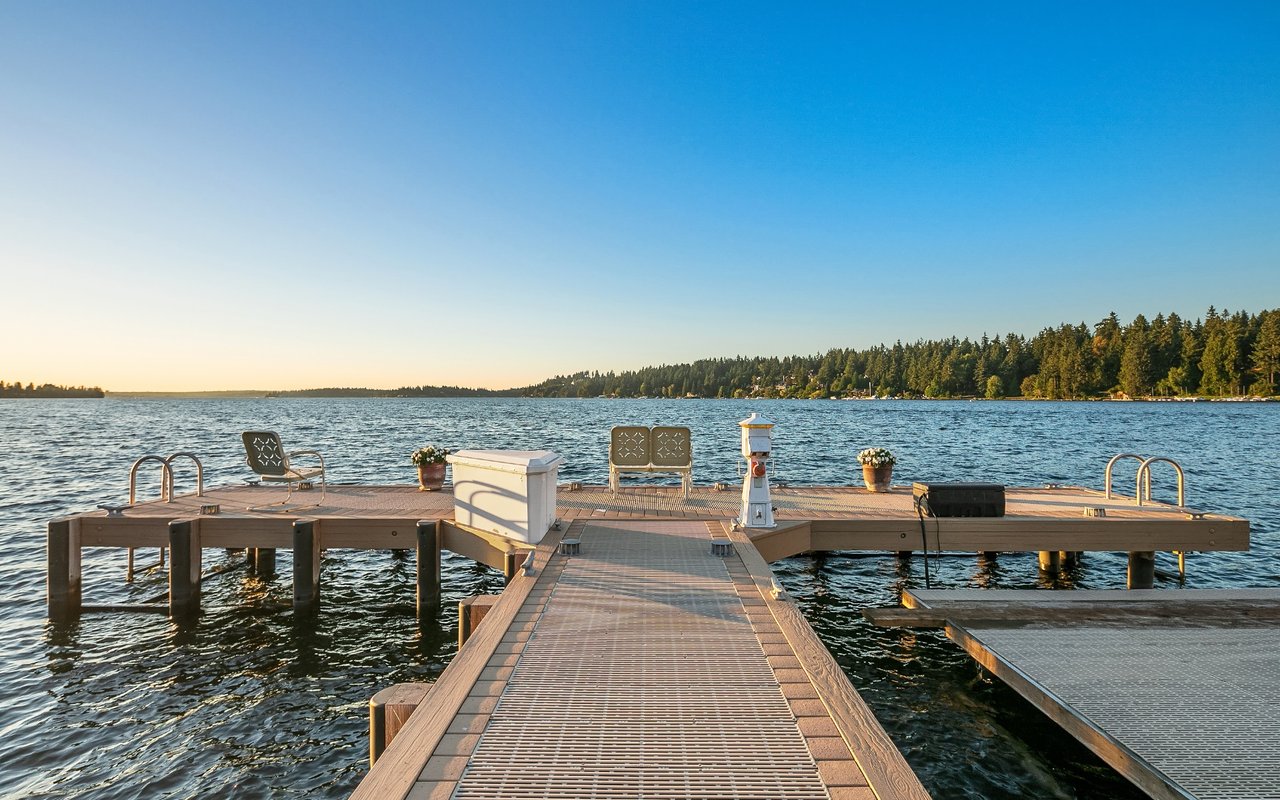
(266, 456)
(635, 448)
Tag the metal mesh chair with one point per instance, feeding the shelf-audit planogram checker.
(266, 456)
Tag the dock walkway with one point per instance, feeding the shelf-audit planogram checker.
(1176, 689)
(644, 666)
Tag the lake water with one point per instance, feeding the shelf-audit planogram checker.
(253, 703)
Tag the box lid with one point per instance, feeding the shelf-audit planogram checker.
(525, 462)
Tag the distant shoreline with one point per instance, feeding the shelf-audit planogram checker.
(375, 394)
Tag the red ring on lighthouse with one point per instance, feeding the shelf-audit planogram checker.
(757, 469)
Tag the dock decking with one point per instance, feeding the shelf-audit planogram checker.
(645, 666)
(817, 518)
(1177, 690)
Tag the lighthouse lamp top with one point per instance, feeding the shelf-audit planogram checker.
(756, 421)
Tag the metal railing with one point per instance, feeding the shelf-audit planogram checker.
(1145, 470)
(166, 495)
(1142, 490)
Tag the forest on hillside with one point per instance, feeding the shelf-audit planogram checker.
(1224, 354)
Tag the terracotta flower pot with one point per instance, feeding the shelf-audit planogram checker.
(877, 479)
(430, 477)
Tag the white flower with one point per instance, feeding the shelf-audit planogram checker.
(876, 457)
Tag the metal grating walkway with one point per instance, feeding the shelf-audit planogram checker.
(643, 678)
(1194, 707)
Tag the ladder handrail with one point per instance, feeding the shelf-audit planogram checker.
(1145, 469)
(1111, 465)
(168, 495)
(166, 477)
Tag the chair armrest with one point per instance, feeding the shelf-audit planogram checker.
(307, 453)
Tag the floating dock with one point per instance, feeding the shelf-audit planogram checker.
(661, 660)
(1177, 690)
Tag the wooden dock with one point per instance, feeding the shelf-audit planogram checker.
(644, 666)
(660, 661)
(1045, 520)
(1177, 690)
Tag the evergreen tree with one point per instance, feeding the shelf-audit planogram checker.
(1266, 353)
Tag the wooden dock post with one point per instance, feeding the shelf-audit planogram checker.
(1050, 560)
(471, 612)
(1142, 569)
(64, 570)
(184, 568)
(430, 535)
(511, 562)
(1069, 559)
(262, 561)
(389, 710)
(306, 565)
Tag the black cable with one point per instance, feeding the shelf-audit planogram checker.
(922, 502)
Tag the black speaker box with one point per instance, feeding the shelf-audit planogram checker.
(960, 499)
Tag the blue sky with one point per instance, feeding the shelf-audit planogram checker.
(286, 195)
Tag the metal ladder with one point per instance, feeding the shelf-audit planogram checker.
(1143, 482)
(166, 494)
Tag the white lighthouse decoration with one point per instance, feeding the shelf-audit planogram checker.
(757, 442)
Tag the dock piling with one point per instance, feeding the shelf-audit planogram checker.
(471, 612)
(184, 568)
(389, 710)
(262, 561)
(511, 562)
(428, 598)
(306, 565)
(64, 570)
(1050, 560)
(1142, 569)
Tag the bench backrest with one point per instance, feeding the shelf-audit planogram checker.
(661, 446)
(670, 447)
(629, 446)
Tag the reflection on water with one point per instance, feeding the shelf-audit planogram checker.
(252, 701)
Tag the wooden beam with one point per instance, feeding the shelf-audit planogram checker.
(1032, 534)
(783, 541)
(487, 548)
(1017, 614)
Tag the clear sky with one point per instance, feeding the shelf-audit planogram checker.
(289, 195)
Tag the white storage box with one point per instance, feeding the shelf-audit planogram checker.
(508, 492)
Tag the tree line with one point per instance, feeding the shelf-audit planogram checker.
(1223, 354)
(48, 390)
(403, 391)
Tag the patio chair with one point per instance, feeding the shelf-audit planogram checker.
(266, 456)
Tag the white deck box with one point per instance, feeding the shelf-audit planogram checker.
(508, 492)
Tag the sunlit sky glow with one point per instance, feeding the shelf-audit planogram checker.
(291, 195)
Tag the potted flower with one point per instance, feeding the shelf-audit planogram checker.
(877, 468)
(430, 463)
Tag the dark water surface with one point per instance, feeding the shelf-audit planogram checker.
(253, 703)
